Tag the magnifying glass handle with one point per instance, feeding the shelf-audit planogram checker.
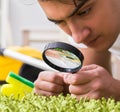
(26, 59)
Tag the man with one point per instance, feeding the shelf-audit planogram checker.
(95, 23)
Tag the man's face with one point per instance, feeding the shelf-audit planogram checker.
(96, 23)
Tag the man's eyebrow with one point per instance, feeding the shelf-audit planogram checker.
(81, 4)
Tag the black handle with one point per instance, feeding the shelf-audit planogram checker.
(1, 51)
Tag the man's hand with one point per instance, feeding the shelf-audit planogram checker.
(49, 83)
(92, 81)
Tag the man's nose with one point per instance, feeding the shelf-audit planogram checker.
(79, 32)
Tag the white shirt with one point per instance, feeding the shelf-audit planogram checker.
(115, 49)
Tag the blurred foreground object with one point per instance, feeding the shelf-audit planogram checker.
(8, 64)
(17, 87)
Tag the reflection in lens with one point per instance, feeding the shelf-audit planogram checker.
(62, 58)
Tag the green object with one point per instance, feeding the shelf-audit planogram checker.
(17, 86)
(21, 79)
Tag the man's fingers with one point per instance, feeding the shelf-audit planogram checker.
(48, 86)
(54, 77)
(45, 93)
(89, 67)
(78, 78)
(88, 96)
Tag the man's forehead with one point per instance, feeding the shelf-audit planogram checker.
(70, 12)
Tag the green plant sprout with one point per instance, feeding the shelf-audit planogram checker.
(33, 103)
(30, 102)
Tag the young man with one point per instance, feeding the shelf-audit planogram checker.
(95, 23)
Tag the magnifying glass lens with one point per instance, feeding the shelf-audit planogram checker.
(62, 58)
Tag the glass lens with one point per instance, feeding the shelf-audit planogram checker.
(62, 58)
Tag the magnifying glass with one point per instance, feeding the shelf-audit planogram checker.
(57, 56)
(63, 57)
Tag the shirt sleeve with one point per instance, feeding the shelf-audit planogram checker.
(115, 49)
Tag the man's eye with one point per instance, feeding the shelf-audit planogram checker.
(58, 22)
(84, 12)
